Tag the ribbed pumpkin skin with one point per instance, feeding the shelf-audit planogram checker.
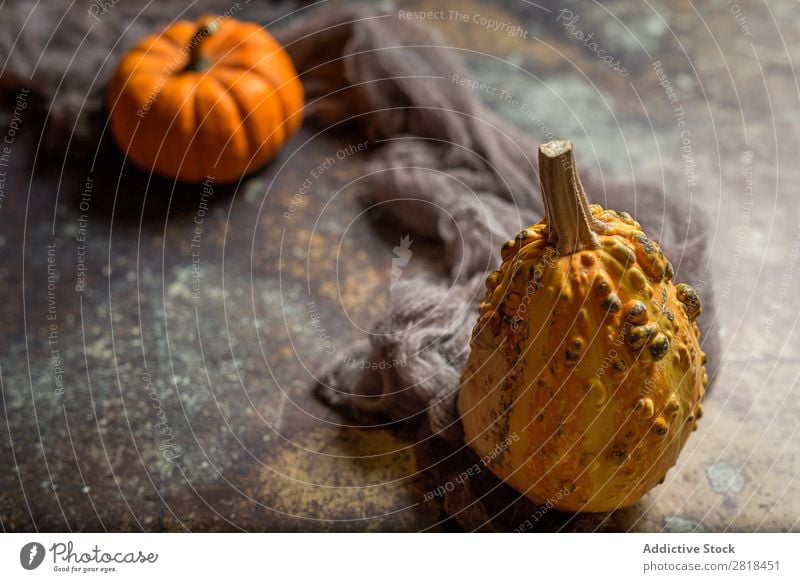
(592, 360)
(224, 120)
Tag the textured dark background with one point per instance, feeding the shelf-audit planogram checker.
(234, 368)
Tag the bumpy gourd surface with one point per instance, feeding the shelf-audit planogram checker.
(592, 360)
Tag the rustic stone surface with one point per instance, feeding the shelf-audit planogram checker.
(233, 360)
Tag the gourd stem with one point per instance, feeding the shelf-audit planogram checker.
(570, 225)
(197, 62)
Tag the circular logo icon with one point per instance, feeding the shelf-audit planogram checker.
(31, 555)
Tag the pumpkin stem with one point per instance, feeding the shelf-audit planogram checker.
(571, 227)
(197, 62)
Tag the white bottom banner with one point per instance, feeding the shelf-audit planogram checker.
(400, 557)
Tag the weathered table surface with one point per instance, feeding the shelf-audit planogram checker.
(168, 386)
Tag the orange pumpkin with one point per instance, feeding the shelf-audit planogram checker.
(216, 98)
(586, 375)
